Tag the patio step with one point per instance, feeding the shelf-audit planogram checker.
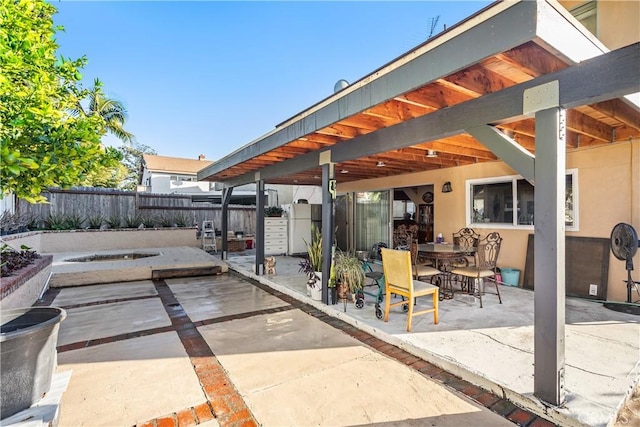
(170, 273)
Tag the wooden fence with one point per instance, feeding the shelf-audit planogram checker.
(124, 208)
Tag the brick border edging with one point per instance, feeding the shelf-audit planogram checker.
(224, 403)
(12, 283)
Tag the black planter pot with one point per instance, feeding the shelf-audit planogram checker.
(28, 337)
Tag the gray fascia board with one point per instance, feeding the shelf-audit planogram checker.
(517, 25)
(300, 163)
(608, 76)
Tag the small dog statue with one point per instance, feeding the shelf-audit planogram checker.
(270, 265)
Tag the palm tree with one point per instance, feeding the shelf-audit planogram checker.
(112, 112)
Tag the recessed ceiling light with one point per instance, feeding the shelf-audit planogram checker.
(344, 171)
(432, 153)
(381, 164)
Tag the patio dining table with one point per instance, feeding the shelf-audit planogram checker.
(442, 255)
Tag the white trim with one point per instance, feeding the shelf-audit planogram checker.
(469, 183)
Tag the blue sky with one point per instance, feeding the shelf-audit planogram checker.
(209, 77)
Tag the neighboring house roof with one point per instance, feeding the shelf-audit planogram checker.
(167, 164)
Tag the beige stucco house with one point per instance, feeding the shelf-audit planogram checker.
(602, 155)
(519, 96)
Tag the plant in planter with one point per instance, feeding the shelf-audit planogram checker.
(55, 221)
(273, 211)
(314, 258)
(12, 260)
(95, 221)
(11, 223)
(113, 221)
(74, 221)
(132, 221)
(314, 249)
(181, 219)
(307, 269)
(166, 220)
(149, 221)
(349, 274)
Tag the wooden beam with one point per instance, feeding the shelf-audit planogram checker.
(604, 77)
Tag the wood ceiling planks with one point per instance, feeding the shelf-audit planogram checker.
(600, 123)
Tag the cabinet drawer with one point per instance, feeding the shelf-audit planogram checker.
(275, 235)
(275, 228)
(282, 241)
(281, 249)
(275, 222)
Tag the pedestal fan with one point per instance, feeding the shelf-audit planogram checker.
(624, 244)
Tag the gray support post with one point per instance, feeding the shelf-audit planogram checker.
(328, 196)
(549, 252)
(260, 198)
(226, 198)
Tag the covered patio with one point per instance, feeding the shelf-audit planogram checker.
(492, 347)
(518, 87)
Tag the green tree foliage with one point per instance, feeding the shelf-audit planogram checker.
(108, 177)
(110, 110)
(42, 143)
(132, 161)
(124, 176)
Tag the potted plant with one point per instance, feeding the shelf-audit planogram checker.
(305, 267)
(349, 274)
(273, 211)
(314, 257)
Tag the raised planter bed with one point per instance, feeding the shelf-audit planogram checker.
(50, 241)
(24, 286)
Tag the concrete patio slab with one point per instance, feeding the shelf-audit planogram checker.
(408, 399)
(292, 345)
(107, 320)
(329, 378)
(128, 382)
(213, 297)
(106, 292)
(276, 353)
(493, 346)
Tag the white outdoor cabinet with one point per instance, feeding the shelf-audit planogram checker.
(275, 236)
(299, 227)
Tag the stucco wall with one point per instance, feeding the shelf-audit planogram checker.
(618, 23)
(608, 192)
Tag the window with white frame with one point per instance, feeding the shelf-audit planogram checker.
(509, 200)
(182, 178)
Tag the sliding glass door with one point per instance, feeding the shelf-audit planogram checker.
(372, 218)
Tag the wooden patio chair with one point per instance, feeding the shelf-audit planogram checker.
(399, 280)
(485, 268)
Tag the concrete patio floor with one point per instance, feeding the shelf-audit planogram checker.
(492, 347)
(177, 351)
